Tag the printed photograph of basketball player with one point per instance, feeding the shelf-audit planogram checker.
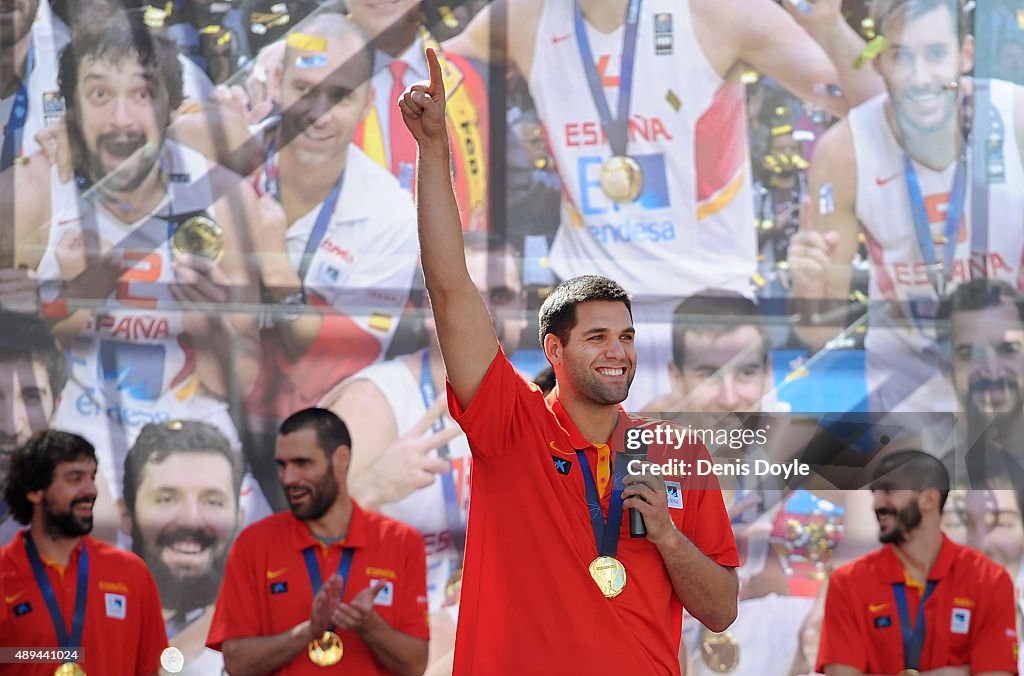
(897, 172)
(140, 249)
(181, 507)
(654, 164)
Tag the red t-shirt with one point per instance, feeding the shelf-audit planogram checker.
(124, 628)
(267, 590)
(969, 618)
(529, 604)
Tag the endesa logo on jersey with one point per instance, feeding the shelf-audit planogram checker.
(610, 222)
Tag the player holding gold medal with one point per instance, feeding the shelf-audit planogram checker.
(540, 584)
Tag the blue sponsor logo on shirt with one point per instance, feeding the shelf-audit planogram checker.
(562, 466)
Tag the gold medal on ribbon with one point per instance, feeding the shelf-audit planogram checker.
(609, 574)
(198, 236)
(69, 669)
(622, 179)
(720, 652)
(326, 651)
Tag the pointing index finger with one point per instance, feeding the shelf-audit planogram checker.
(434, 66)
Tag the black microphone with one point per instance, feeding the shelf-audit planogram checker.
(637, 527)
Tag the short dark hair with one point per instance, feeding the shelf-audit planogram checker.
(158, 441)
(116, 35)
(331, 431)
(882, 11)
(912, 469)
(558, 312)
(33, 464)
(980, 294)
(27, 338)
(715, 310)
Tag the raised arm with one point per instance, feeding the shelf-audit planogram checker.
(464, 329)
(825, 24)
(759, 33)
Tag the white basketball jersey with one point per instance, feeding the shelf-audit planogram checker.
(692, 225)
(902, 352)
(133, 363)
(424, 509)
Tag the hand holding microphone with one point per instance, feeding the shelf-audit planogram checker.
(645, 495)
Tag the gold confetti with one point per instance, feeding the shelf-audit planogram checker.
(1020, 19)
(749, 77)
(867, 28)
(673, 100)
(154, 17)
(447, 17)
(871, 51)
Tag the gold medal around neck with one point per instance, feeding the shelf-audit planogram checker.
(622, 179)
(199, 236)
(326, 651)
(720, 652)
(609, 574)
(69, 669)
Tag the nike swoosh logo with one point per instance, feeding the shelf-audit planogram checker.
(559, 38)
(13, 597)
(274, 574)
(879, 181)
(556, 449)
(875, 607)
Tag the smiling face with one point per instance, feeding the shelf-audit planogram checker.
(724, 372)
(598, 362)
(324, 95)
(66, 504)
(988, 361)
(897, 512)
(186, 516)
(120, 113)
(308, 475)
(923, 57)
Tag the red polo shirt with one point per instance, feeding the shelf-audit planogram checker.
(124, 629)
(528, 602)
(266, 588)
(969, 618)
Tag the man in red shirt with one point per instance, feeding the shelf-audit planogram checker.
(549, 584)
(920, 604)
(277, 613)
(63, 588)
